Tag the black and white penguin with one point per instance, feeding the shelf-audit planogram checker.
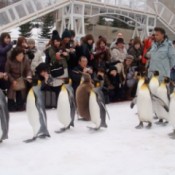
(97, 108)
(36, 113)
(163, 93)
(144, 105)
(4, 117)
(66, 107)
(172, 114)
(153, 86)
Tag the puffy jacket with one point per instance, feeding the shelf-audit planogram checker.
(162, 58)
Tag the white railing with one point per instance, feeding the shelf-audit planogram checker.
(165, 15)
(26, 10)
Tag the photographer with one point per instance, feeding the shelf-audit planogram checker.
(76, 73)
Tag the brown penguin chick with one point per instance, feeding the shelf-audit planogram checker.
(82, 97)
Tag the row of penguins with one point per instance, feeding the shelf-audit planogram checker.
(155, 98)
(66, 109)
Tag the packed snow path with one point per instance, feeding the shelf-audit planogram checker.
(120, 149)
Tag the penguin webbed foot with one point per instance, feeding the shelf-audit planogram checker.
(43, 136)
(149, 125)
(159, 122)
(61, 130)
(172, 136)
(140, 126)
(93, 129)
(30, 140)
(1, 141)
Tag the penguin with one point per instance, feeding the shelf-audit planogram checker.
(4, 118)
(144, 105)
(153, 86)
(66, 107)
(172, 114)
(82, 97)
(97, 108)
(141, 79)
(36, 113)
(163, 94)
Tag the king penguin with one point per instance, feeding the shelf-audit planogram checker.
(97, 108)
(153, 86)
(4, 117)
(144, 105)
(172, 114)
(66, 107)
(163, 93)
(82, 97)
(36, 113)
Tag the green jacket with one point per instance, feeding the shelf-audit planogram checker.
(63, 60)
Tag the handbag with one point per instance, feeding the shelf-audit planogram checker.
(56, 70)
(20, 83)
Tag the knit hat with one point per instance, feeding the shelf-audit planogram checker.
(55, 36)
(112, 68)
(31, 41)
(41, 67)
(129, 57)
(66, 34)
(120, 40)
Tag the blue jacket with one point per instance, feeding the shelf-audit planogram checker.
(162, 58)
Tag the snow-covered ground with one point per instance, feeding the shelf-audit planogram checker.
(118, 150)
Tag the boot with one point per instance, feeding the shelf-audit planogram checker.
(11, 105)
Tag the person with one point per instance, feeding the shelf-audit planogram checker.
(113, 85)
(136, 52)
(22, 43)
(37, 55)
(131, 80)
(118, 55)
(17, 67)
(113, 44)
(5, 47)
(76, 73)
(59, 56)
(87, 49)
(49, 83)
(174, 43)
(101, 54)
(161, 54)
(147, 43)
(119, 52)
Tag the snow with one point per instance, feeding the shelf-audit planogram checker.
(119, 149)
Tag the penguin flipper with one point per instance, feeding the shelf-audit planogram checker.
(30, 140)
(103, 105)
(160, 101)
(134, 101)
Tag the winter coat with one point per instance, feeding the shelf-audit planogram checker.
(37, 59)
(62, 61)
(101, 57)
(162, 58)
(118, 55)
(130, 76)
(87, 51)
(15, 70)
(3, 55)
(136, 53)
